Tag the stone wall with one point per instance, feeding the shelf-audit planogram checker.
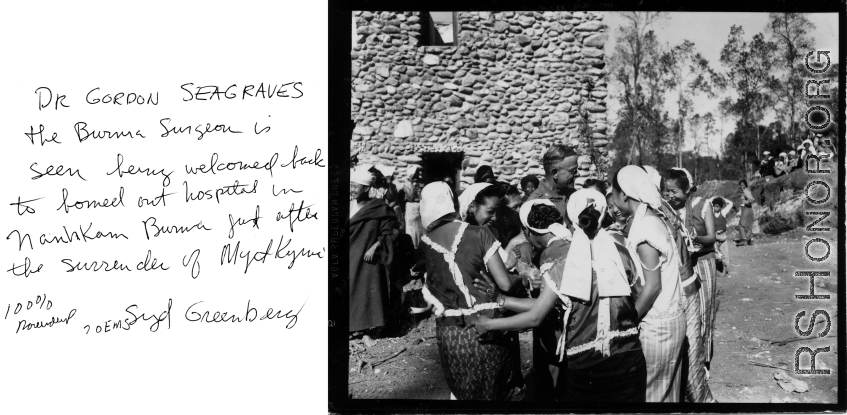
(517, 82)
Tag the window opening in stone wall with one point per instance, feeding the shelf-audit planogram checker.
(442, 167)
(438, 29)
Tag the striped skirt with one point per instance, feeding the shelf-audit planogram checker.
(696, 388)
(661, 341)
(414, 227)
(708, 276)
(480, 371)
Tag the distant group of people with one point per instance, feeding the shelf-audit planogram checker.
(785, 163)
(617, 280)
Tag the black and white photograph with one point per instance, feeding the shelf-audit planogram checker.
(594, 207)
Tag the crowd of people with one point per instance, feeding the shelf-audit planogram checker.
(787, 162)
(617, 280)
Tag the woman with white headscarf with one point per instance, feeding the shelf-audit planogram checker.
(455, 253)
(545, 232)
(659, 304)
(412, 197)
(370, 229)
(700, 291)
(593, 285)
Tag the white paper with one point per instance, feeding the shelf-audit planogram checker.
(146, 48)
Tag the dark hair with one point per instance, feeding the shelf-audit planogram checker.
(504, 187)
(481, 172)
(681, 180)
(608, 220)
(542, 216)
(530, 179)
(488, 192)
(589, 219)
(554, 155)
(513, 191)
(743, 181)
(379, 178)
(718, 201)
(599, 184)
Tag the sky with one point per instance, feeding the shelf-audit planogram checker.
(709, 32)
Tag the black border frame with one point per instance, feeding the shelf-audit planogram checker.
(341, 126)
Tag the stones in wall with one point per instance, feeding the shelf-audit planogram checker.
(517, 83)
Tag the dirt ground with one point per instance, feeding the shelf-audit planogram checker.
(754, 329)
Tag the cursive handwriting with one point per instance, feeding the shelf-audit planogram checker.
(60, 171)
(303, 161)
(83, 236)
(82, 133)
(249, 315)
(197, 129)
(231, 255)
(151, 226)
(23, 324)
(238, 222)
(234, 190)
(164, 315)
(166, 180)
(301, 215)
(214, 166)
(88, 204)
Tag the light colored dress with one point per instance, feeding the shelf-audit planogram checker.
(663, 328)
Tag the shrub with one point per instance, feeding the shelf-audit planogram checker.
(777, 223)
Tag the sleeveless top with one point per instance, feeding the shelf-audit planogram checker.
(695, 222)
(720, 222)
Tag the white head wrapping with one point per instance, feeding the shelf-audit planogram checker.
(791, 153)
(687, 175)
(654, 176)
(766, 153)
(807, 141)
(557, 229)
(635, 183)
(467, 197)
(603, 258)
(362, 176)
(436, 201)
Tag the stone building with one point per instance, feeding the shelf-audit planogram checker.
(509, 85)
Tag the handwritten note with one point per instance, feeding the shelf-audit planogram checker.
(164, 209)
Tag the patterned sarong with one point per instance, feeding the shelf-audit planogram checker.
(480, 370)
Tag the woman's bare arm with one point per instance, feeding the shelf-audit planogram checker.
(709, 237)
(653, 279)
(529, 319)
(498, 270)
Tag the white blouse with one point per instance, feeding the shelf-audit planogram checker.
(652, 231)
